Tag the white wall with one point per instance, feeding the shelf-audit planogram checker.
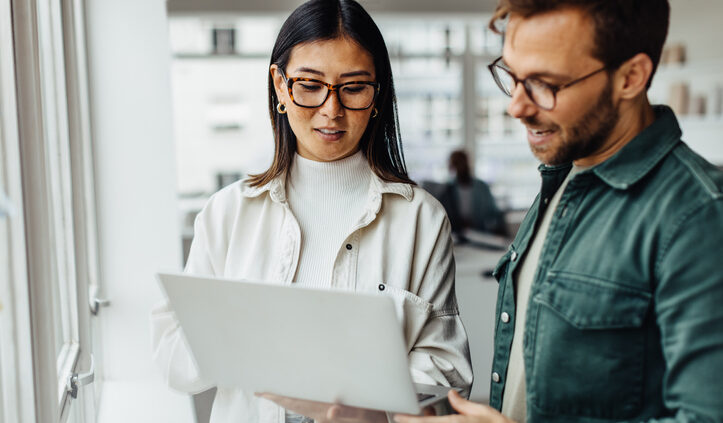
(129, 72)
(213, 91)
(697, 23)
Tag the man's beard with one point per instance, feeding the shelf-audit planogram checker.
(585, 137)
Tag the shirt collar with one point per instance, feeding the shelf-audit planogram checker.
(381, 186)
(639, 156)
(276, 189)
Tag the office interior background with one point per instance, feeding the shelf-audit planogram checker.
(119, 119)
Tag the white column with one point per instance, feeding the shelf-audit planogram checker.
(139, 230)
(469, 98)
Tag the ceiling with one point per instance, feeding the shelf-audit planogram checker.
(373, 6)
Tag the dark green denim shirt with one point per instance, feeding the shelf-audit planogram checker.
(625, 318)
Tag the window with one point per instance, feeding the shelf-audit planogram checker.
(50, 237)
(16, 383)
(428, 65)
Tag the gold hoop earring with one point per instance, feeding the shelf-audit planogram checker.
(281, 108)
(375, 113)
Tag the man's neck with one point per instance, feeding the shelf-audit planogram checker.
(633, 120)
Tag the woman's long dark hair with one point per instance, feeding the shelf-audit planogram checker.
(316, 20)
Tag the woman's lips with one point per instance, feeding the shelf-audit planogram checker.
(329, 134)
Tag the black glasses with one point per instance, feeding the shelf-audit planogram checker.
(541, 93)
(311, 93)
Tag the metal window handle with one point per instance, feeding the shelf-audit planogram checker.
(97, 303)
(76, 380)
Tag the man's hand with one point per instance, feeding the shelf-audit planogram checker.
(470, 412)
(323, 412)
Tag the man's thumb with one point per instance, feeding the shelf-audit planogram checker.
(462, 405)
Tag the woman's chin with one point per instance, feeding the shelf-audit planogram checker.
(327, 154)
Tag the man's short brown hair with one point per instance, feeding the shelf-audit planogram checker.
(623, 28)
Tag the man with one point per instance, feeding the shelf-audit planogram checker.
(469, 202)
(610, 302)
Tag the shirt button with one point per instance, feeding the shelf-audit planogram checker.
(547, 200)
(505, 317)
(495, 377)
(514, 256)
(382, 287)
(348, 246)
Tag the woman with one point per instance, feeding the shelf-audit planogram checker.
(335, 210)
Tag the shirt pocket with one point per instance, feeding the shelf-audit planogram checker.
(412, 311)
(586, 345)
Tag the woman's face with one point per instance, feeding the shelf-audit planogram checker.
(328, 132)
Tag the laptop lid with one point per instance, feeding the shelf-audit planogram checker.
(320, 345)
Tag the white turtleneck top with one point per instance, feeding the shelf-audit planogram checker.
(327, 198)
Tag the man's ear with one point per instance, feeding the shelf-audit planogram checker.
(631, 78)
(279, 84)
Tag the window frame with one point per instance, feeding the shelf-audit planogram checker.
(16, 367)
(53, 185)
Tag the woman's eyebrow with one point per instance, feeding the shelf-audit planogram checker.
(343, 75)
(310, 70)
(355, 73)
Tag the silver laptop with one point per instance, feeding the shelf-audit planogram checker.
(319, 345)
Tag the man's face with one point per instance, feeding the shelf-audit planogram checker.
(556, 48)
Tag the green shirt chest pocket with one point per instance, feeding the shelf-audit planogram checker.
(586, 335)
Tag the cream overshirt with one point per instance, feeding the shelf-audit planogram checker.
(401, 239)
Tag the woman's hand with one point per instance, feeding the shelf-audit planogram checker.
(323, 412)
(470, 412)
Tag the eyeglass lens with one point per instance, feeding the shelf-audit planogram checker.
(538, 91)
(313, 94)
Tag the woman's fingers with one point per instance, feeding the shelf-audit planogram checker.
(429, 411)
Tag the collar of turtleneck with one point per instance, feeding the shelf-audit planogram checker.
(315, 180)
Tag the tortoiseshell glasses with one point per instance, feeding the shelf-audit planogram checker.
(311, 93)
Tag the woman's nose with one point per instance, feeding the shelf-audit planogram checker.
(332, 107)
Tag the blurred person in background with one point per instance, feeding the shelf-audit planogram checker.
(609, 303)
(469, 201)
(335, 210)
